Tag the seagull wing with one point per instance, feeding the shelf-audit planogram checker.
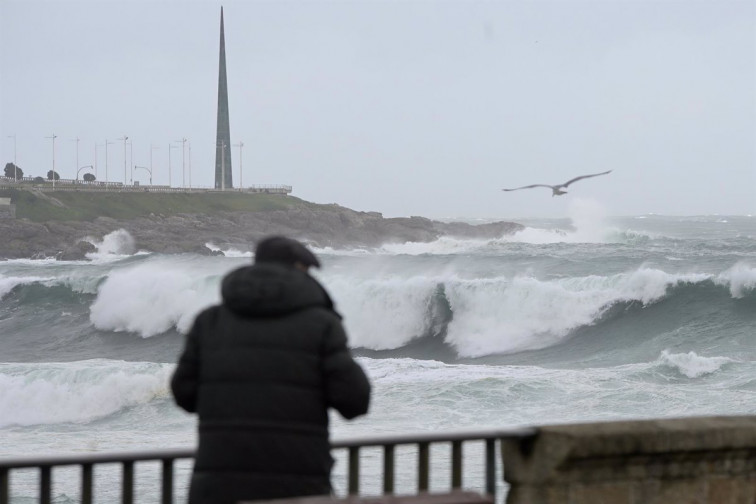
(529, 186)
(584, 176)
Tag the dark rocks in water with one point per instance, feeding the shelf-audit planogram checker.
(320, 225)
(77, 252)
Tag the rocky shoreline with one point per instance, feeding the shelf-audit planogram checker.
(325, 226)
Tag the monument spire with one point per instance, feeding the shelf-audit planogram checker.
(223, 178)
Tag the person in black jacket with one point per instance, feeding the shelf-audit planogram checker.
(261, 370)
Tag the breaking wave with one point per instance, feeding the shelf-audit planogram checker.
(82, 391)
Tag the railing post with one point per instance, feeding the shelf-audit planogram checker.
(167, 481)
(86, 483)
(354, 470)
(491, 466)
(45, 484)
(127, 483)
(456, 475)
(388, 469)
(423, 466)
(4, 485)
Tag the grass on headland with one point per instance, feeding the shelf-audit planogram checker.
(87, 206)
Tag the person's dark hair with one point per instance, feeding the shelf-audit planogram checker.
(280, 249)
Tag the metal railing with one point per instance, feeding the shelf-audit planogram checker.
(353, 448)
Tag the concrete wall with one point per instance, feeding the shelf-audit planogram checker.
(710, 460)
(7, 209)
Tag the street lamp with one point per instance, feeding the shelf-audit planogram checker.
(124, 157)
(53, 137)
(77, 171)
(77, 150)
(106, 162)
(131, 160)
(145, 168)
(240, 145)
(183, 165)
(15, 166)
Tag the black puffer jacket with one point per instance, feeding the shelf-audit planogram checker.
(261, 370)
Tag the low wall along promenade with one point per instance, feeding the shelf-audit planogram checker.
(709, 460)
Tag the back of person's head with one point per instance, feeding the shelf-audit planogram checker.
(283, 250)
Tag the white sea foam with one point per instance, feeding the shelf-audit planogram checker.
(32, 394)
(741, 279)
(150, 297)
(691, 364)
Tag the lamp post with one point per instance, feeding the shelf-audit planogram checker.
(240, 145)
(124, 157)
(190, 165)
(53, 137)
(15, 166)
(77, 171)
(131, 161)
(145, 168)
(183, 164)
(77, 151)
(106, 162)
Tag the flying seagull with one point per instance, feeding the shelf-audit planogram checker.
(557, 189)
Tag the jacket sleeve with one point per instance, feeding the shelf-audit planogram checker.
(347, 388)
(185, 379)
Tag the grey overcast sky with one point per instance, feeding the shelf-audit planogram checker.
(401, 107)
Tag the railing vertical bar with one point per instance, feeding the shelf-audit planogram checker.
(86, 483)
(456, 475)
(4, 485)
(388, 469)
(45, 484)
(127, 483)
(167, 481)
(354, 470)
(491, 466)
(423, 466)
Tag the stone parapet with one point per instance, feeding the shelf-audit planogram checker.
(708, 460)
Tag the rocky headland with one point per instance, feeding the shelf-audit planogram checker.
(321, 225)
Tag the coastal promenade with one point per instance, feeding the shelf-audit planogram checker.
(99, 186)
(697, 460)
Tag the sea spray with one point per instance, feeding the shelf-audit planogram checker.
(118, 242)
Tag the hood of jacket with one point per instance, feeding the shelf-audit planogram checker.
(269, 289)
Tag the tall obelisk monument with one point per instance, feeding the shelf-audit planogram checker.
(223, 178)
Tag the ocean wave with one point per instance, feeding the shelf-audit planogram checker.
(741, 280)
(691, 364)
(492, 315)
(7, 284)
(83, 391)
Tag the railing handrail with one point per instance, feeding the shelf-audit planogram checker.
(179, 453)
(434, 437)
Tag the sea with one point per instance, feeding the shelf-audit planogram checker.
(577, 319)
